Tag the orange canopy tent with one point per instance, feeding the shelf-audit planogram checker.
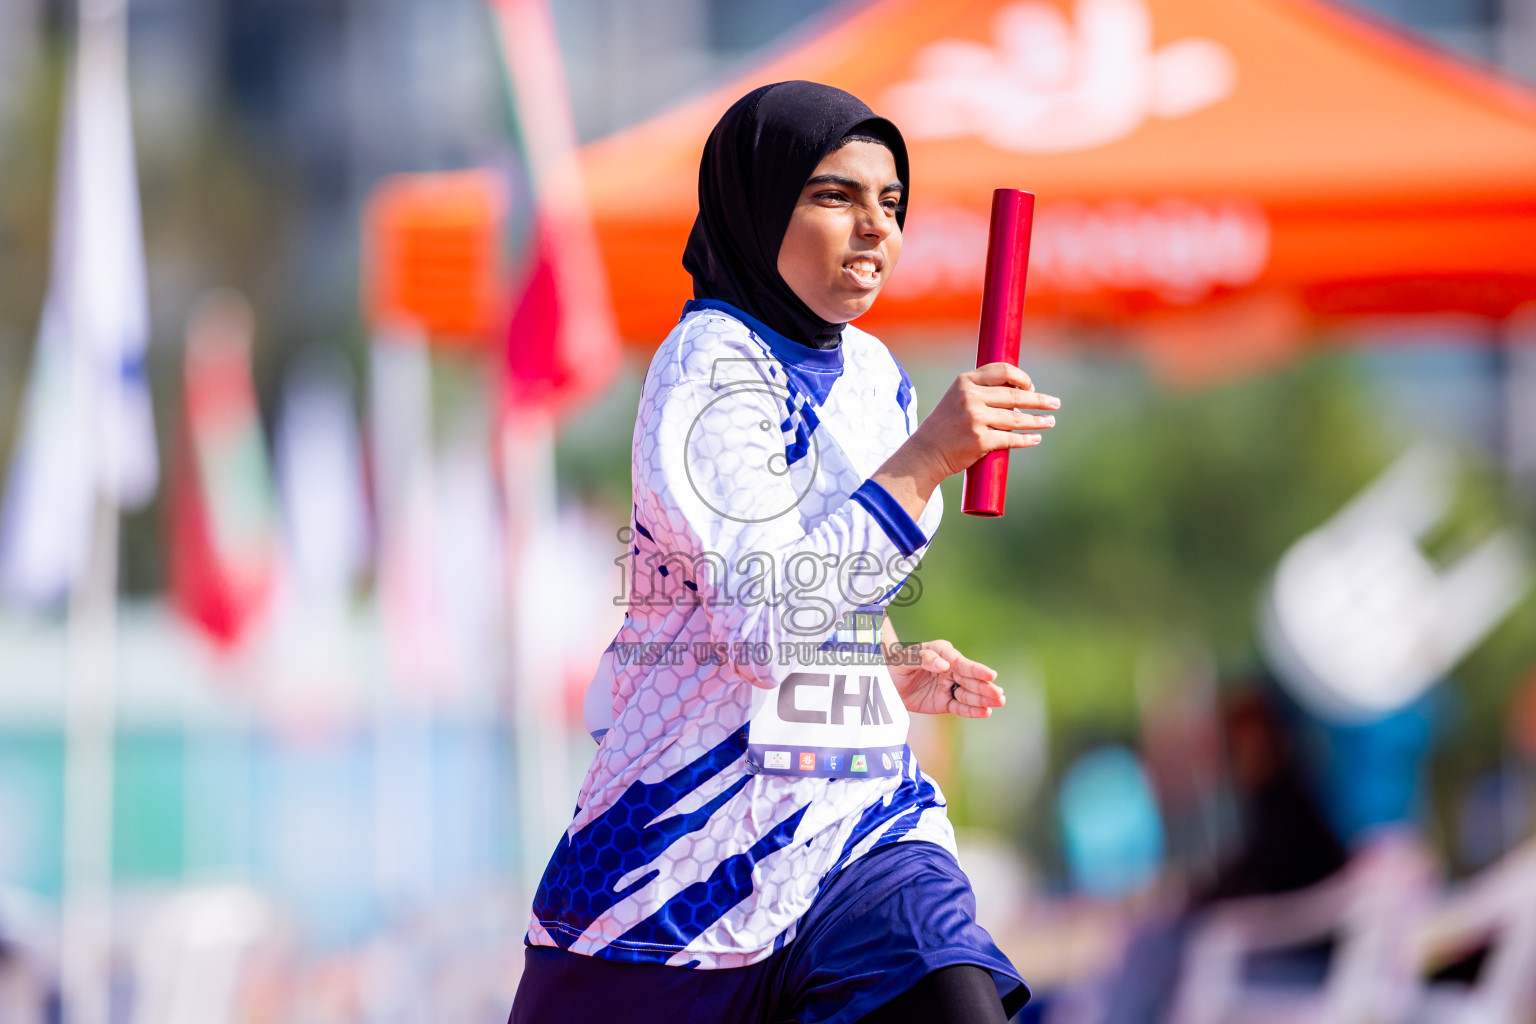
(1192, 158)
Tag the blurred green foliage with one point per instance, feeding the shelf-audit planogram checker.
(26, 213)
(1148, 519)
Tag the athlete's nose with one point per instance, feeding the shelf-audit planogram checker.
(875, 225)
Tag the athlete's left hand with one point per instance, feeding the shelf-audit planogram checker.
(947, 682)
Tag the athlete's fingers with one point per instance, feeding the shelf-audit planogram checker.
(934, 662)
(959, 667)
(978, 694)
(1007, 419)
(998, 374)
(944, 650)
(972, 692)
(966, 669)
(1015, 398)
(964, 710)
(1008, 439)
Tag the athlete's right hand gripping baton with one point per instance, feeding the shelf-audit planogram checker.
(1002, 314)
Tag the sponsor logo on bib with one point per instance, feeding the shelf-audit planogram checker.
(846, 723)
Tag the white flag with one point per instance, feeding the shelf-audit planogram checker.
(88, 427)
(320, 481)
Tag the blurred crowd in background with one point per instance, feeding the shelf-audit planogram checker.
(1267, 631)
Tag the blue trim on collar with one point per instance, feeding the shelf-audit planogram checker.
(816, 360)
(809, 371)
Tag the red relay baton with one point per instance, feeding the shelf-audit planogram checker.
(1002, 315)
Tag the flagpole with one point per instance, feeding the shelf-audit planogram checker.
(90, 723)
(90, 699)
(543, 754)
(541, 749)
(404, 708)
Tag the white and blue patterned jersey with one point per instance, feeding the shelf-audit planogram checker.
(757, 536)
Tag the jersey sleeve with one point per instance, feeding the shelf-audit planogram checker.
(724, 471)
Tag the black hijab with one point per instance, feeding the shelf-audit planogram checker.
(756, 162)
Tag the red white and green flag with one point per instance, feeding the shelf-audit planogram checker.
(222, 542)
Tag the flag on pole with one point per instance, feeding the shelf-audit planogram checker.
(321, 487)
(221, 520)
(87, 422)
(416, 638)
(562, 339)
(324, 550)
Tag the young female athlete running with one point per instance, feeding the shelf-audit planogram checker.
(754, 841)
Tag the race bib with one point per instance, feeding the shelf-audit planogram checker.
(829, 722)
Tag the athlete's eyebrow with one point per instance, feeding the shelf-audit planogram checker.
(849, 183)
(835, 179)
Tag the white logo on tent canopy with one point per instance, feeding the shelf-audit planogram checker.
(1176, 248)
(1049, 87)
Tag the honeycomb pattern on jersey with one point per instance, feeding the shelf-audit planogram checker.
(678, 853)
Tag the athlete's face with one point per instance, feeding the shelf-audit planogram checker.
(843, 240)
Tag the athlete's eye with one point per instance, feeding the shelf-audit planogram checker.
(831, 196)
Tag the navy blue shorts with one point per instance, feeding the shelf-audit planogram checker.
(886, 920)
